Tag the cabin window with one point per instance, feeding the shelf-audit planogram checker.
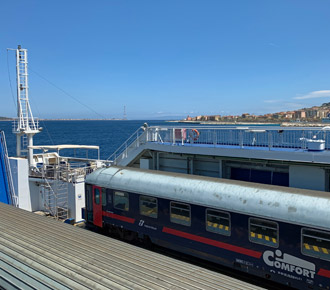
(218, 222)
(316, 244)
(97, 195)
(121, 200)
(180, 213)
(263, 232)
(104, 197)
(148, 206)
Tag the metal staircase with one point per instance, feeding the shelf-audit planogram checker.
(55, 191)
(130, 148)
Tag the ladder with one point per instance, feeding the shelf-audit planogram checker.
(56, 191)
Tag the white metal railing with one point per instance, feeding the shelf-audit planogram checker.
(270, 137)
(30, 123)
(68, 172)
(138, 138)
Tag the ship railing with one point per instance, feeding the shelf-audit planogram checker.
(65, 172)
(25, 124)
(138, 138)
(240, 137)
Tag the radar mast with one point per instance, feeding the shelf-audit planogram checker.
(25, 126)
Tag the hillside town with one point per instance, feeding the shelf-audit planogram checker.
(313, 114)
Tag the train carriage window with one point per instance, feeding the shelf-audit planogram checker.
(148, 206)
(121, 200)
(218, 222)
(89, 195)
(263, 232)
(180, 213)
(104, 197)
(109, 196)
(89, 204)
(96, 195)
(316, 244)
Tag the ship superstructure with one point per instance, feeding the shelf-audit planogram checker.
(294, 156)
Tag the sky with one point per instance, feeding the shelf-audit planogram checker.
(166, 59)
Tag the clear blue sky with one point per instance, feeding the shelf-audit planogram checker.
(164, 58)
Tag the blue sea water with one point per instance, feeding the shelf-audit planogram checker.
(109, 135)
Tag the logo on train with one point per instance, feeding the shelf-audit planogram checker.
(289, 263)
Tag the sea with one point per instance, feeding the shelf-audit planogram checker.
(108, 134)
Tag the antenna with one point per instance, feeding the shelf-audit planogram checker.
(125, 116)
(25, 126)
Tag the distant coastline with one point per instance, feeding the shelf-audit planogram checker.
(282, 124)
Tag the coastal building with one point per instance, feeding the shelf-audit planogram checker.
(289, 115)
(300, 114)
(215, 118)
(245, 115)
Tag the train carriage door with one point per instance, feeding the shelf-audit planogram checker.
(97, 206)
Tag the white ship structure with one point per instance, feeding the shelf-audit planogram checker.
(46, 181)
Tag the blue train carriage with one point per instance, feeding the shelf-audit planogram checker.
(282, 234)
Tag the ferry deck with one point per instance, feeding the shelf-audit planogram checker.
(285, 156)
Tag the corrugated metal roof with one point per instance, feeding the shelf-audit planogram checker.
(280, 203)
(40, 253)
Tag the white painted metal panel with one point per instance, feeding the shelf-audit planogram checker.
(308, 177)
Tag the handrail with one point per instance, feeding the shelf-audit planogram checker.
(252, 136)
(268, 137)
(133, 139)
(30, 123)
(67, 172)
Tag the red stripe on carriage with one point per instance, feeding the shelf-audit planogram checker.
(324, 273)
(119, 217)
(214, 243)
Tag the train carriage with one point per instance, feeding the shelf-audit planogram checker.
(282, 234)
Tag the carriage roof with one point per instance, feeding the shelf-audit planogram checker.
(301, 206)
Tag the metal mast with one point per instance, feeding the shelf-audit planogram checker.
(25, 126)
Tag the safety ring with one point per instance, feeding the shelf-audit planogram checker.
(194, 134)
